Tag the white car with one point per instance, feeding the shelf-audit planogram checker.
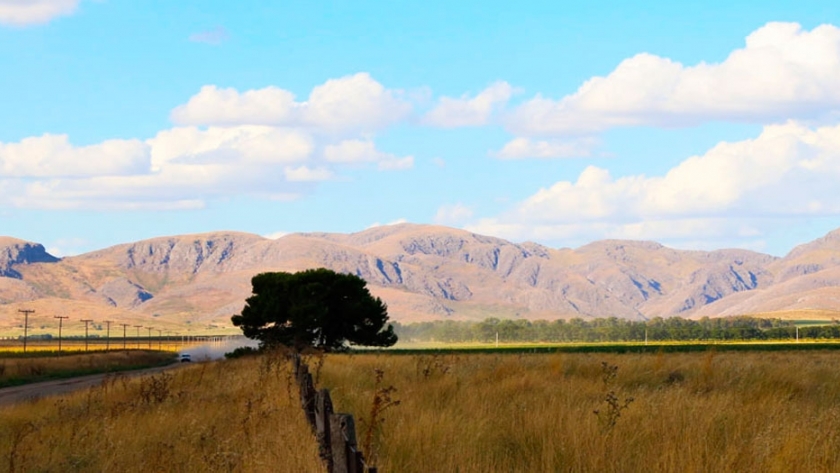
(185, 358)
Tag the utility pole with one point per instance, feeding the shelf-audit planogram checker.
(124, 326)
(160, 338)
(108, 336)
(86, 321)
(26, 313)
(138, 327)
(150, 337)
(60, 320)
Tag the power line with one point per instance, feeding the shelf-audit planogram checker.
(108, 336)
(60, 320)
(26, 313)
(86, 321)
(124, 326)
(138, 327)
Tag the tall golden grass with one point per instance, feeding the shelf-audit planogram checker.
(221, 416)
(691, 412)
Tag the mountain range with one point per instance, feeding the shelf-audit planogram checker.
(422, 272)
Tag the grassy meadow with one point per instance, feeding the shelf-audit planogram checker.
(223, 416)
(677, 412)
(705, 411)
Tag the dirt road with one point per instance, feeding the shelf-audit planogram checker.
(28, 392)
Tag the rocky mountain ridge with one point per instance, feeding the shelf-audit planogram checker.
(425, 272)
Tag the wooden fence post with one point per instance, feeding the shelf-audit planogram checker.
(296, 364)
(323, 411)
(336, 433)
(340, 452)
(307, 394)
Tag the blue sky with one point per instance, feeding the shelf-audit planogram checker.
(700, 125)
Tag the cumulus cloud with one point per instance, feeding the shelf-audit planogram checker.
(351, 104)
(469, 111)
(31, 12)
(242, 145)
(179, 168)
(307, 174)
(788, 171)
(379, 224)
(260, 143)
(228, 107)
(364, 151)
(216, 36)
(276, 235)
(782, 72)
(54, 156)
(529, 148)
(453, 214)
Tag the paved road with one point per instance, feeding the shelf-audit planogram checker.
(28, 392)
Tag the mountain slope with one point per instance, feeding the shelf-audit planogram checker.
(423, 272)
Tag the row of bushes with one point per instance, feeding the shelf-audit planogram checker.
(613, 329)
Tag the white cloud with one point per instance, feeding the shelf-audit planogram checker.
(395, 164)
(307, 174)
(178, 168)
(782, 72)
(228, 107)
(354, 102)
(351, 104)
(466, 111)
(788, 171)
(395, 222)
(453, 214)
(276, 235)
(31, 12)
(364, 151)
(216, 36)
(67, 247)
(255, 145)
(529, 148)
(54, 156)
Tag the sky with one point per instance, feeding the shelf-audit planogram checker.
(700, 125)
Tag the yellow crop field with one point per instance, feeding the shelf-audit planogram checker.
(22, 370)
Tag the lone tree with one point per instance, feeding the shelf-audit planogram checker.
(315, 308)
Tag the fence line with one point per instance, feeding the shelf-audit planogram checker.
(335, 432)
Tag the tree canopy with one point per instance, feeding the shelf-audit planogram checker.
(316, 308)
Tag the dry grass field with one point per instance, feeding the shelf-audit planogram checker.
(222, 416)
(687, 412)
(21, 370)
(579, 412)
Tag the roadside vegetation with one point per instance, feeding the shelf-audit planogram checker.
(706, 411)
(16, 369)
(238, 415)
(613, 329)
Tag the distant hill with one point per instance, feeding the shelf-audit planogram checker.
(422, 272)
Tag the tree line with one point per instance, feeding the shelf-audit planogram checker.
(613, 329)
